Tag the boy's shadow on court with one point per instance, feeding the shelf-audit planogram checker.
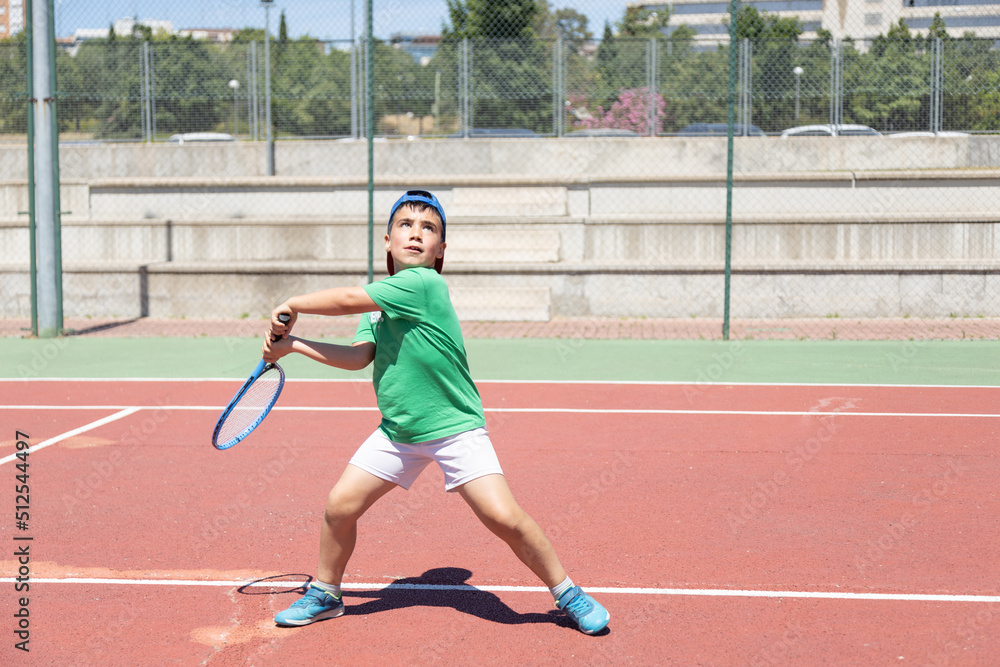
(443, 587)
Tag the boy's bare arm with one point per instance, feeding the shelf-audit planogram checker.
(334, 301)
(349, 357)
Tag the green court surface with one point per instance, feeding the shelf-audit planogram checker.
(825, 362)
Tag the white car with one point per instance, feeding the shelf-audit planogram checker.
(831, 131)
(199, 137)
(904, 135)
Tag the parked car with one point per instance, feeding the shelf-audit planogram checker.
(838, 130)
(720, 130)
(601, 132)
(496, 133)
(928, 134)
(199, 137)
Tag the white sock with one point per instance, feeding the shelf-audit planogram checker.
(332, 589)
(559, 589)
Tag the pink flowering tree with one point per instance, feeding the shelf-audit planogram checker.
(629, 112)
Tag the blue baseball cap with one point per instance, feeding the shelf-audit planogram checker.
(426, 198)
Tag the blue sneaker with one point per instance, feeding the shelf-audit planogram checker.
(586, 612)
(315, 605)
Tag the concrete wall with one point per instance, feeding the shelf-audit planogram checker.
(537, 228)
(601, 157)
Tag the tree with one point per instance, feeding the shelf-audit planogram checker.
(640, 22)
(571, 25)
(511, 72)
(762, 28)
(458, 14)
(607, 52)
(247, 35)
(487, 19)
(568, 24)
(823, 37)
(191, 85)
(774, 54)
(311, 89)
(13, 92)
(937, 28)
(282, 29)
(622, 64)
(889, 86)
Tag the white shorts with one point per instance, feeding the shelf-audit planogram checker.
(463, 457)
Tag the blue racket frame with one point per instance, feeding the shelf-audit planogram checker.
(261, 367)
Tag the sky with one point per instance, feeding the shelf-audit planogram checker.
(323, 19)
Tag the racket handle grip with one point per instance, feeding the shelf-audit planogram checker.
(284, 318)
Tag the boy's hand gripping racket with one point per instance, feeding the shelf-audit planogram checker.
(251, 403)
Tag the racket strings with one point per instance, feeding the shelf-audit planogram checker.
(255, 400)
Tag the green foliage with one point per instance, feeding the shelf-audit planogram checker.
(775, 52)
(892, 83)
(568, 24)
(511, 71)
(401, 87)
(972, 85)
(191, 89)
(105, 83)
(14, 88)
(937, 28)
(639, 22)
(282, 29)
(247, 35)
(488, 19)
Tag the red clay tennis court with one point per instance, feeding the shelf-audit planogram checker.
(719, 523)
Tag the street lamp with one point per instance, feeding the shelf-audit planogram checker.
(798, 80)
(235, 85)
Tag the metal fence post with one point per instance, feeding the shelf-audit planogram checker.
(370, 124)
(354, 78)
(46, 171)
(836, 83)
(746, 72)
(152, 93)
(267, 87)
(651, 85)
(557, 86)
(464, 88)
(143, 115)
(729, 167)
(937, 85)
(32, 262)
(147, 89)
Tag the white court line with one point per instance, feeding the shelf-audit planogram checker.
(601, 411)
(125, 412)
(703, 592)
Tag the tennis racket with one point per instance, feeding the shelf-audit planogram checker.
(251, 403)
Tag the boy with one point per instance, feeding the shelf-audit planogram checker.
(431, 410)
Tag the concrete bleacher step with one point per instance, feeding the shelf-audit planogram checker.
(502, 244)
(511, 200)
(144, 241)
(519, 304)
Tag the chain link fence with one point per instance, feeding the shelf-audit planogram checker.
(585, 174)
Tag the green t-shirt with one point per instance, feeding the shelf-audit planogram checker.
(421, 372)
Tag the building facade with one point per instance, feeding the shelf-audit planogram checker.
(11, 17)
(859, 19)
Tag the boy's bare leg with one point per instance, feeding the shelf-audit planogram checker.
(492, 501)
(352, 495)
